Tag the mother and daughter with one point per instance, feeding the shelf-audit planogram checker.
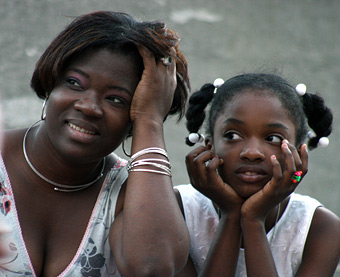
(73, 208)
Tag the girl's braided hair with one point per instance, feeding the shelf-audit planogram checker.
(309, 109)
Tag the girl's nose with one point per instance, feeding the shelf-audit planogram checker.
(89, 105)
(252, 151)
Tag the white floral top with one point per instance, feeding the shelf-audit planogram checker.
(93, 258)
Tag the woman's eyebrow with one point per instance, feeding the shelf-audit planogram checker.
(80, 72)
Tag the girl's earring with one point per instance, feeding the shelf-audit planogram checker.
(123, 147)
(43, 111)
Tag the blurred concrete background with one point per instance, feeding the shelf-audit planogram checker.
(220, 38)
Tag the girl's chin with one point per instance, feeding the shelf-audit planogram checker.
(245, 193)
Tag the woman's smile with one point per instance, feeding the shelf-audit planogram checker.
(81, 130)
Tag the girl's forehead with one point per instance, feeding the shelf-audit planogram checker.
(257, 108)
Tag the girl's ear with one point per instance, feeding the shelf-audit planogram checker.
(209, 143)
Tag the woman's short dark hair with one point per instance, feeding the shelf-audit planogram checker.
(118, 32)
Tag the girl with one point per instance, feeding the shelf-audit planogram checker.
(244, 218)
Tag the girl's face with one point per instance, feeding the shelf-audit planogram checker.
(246, 134)
(87, 113)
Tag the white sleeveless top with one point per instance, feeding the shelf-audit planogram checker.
(94, 256)
(287, 245)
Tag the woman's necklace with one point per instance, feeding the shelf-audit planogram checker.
(58, 187)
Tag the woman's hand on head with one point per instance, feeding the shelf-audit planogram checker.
(281, 185)
(155, 91)
(202, 166)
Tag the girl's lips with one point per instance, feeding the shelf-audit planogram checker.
(251, 176)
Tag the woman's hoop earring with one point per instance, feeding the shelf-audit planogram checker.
(126, 153)
(43, 111)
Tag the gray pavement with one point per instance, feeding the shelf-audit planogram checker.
(300, 39)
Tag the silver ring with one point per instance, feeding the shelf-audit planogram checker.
(166, 60)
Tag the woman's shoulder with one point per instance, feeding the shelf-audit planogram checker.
(12, 137)
(11, 145)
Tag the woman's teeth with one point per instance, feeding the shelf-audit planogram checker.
(82, 130)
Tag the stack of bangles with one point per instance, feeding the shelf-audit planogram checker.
(160, 166)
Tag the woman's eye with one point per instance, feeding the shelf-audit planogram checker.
(275, 139)
(73, 82)
(114, 99)
(232, 136)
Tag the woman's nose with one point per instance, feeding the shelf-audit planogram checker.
(90, 105)
(252, 151)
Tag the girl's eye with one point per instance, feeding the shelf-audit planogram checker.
(232, 136)
(275, 139)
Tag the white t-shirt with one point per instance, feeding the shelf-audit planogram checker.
(290, 232)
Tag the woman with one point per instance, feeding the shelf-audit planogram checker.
(77, 211)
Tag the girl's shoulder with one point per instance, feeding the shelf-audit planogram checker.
(322, 249)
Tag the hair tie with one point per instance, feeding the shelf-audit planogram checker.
(217, 83)
(195, 138)
(323, 141)
(301, 89)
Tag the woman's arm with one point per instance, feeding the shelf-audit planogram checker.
(150, 237)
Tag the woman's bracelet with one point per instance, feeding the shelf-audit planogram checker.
(163, 166)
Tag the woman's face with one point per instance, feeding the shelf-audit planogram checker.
(87, 113)
(246, 134)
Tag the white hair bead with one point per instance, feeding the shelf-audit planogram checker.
(301, 89)
(323, 142)
(195, 138)
(218, 82)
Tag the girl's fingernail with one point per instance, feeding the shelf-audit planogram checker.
(285, 141)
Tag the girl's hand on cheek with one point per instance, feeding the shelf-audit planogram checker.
(281, 185)
(202, 166)
(155, 91)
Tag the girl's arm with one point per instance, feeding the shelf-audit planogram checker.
(258, 256)
(322, 250)
(224, 250)
(150, 238)
(223, 254)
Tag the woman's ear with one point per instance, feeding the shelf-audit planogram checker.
(208, 143)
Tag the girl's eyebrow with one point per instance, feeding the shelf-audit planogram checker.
(233, 120)
(270, 125)
(277, 125)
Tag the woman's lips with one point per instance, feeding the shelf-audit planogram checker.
(81, 134)
(79, 129)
